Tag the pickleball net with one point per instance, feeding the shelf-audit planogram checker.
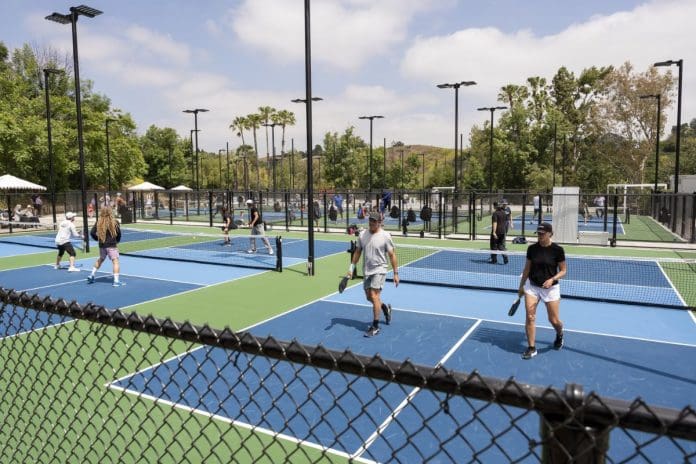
(249, 252)
(660, 282)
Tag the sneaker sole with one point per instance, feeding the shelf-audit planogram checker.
(530, 356)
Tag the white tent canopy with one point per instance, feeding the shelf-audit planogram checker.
(10, 182)
(182, 188)
(145, 187)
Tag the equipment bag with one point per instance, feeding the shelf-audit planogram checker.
(426, 213)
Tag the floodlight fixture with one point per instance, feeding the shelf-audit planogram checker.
(680, 64)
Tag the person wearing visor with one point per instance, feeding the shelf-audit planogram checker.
(376, 244)
(544, 268)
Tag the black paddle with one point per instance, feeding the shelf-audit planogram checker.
(513, 308)
(343, 284)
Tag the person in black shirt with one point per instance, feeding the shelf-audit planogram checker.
(498, 233)
(108, 233)
(257, 230)
(226, 226)
(546, 265)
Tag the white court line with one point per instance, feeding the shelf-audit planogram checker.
(539, 325)
(37, 330)
(377, 433)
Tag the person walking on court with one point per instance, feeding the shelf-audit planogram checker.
(108, 233)
(599, 201)
(508, 215)
(338, 201)
(537, 208)
(66, 230)
(256, 225)
(226, 226)
(498, 230)
(545, 267)
(376, 244)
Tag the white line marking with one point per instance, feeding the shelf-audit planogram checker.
(377, 433)
(37, 330)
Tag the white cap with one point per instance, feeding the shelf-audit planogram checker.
(69, 215)
(250, 202)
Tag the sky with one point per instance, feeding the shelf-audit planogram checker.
(155, 58)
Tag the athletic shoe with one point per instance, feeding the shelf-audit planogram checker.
(73, 269)
(558, 342)
(270, 252)
(118, 284)
(251, 251)
(90, 279)
(55, 266)
(529, 353)
(387, 310)
(371, 331)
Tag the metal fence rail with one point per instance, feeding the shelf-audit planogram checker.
(89, 384)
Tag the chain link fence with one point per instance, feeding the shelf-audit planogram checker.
(89, 384)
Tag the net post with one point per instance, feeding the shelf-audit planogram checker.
(567, 438)
(279, 253)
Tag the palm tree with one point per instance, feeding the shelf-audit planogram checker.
(254, 122)
(266, 113)
(239, 124)
(284, 118)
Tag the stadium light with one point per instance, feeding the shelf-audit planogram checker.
(372, 118)
(680, 64)
(47, 72)
(492, 109)
(657, 136)
(71, 18)
(456, 86)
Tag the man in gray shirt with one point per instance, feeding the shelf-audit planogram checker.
(377, 245)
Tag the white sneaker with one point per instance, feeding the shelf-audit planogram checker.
(270, 252)
(55, 266)
(73, 269)
(251, 251)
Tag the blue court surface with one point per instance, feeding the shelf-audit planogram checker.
(616, 350)
(594, 224)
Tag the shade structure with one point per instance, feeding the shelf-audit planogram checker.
(182, 188)
(10, 182)
(145, 187)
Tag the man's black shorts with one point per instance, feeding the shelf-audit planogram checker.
(66, 247)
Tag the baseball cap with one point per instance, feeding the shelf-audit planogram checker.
(545, 227)
(69, 215)
(375, 216)
(250, 201)
(504, 202)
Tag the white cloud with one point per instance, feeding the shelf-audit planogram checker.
(345, 33)
(159, 45)
(652, 32)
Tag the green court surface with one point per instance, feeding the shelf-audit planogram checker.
(56, 353)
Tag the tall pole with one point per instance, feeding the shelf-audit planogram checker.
(402, 171)
(369, 183)
(170, 165)
(563, 162)
(108, 157)
(490, 157)
(198, 172)
(657, 141)
(220, 165)
(292, 164)
(193, 157)
(51, 176)
(490, 143)
(680, 63)
(456, 86)
(384, 174)
(555, 136)
(308, 91)
(227, 151)
(423, 167)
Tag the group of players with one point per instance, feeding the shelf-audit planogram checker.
(545, 263)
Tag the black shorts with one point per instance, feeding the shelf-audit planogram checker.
(66, 247)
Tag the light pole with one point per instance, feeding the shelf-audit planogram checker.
(657, 134)
(227, 153)
(555, 136)
(292, 165)
(169, 150)
(423, 167)
(220, 164)
(71, 18)
(108, 155)
(680, 64)
(490, 155)
(273, 159)
(456, 86)
(195, 129)
(310, 159)
(193, 157)
(51, 180)
(371, 118)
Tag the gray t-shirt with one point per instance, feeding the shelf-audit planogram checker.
(374, 248)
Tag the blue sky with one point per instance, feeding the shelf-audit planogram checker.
(156, 58)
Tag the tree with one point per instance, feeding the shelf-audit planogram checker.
(254, 123)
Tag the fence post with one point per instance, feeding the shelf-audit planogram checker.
(9, 212)
(692, 220)
(614, 221)
(325, 210)
(568, 439)
(440, 214)
(524, 211)
(171, 210)
(286, 199)
(210, 208)
(472, 214)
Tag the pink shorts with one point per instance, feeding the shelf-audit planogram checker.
(112, 253)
